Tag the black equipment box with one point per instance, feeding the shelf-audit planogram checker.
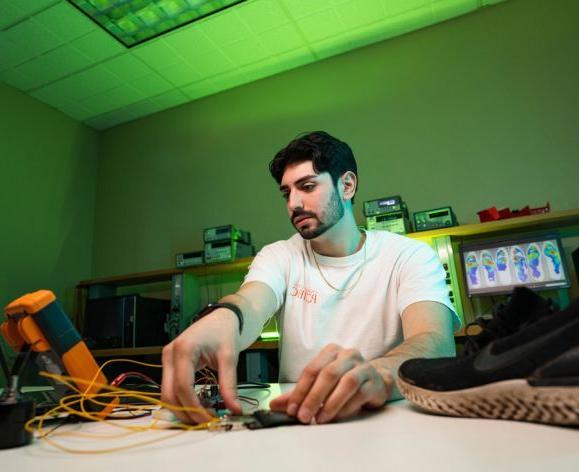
(190, 259)
(125, 321)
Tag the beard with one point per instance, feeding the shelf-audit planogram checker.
(318, 225)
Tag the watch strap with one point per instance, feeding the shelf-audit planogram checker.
(209, 308)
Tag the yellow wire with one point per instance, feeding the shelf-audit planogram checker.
(66, 404)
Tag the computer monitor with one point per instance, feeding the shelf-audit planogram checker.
(497, 266)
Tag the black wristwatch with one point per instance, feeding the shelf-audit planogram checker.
(213, 306)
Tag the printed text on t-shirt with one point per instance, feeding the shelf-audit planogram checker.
(306, 294)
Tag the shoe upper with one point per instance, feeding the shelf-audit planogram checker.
(524, 307)
(524, 354)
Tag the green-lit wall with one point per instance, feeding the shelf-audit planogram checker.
(478, 111)
(48, 173)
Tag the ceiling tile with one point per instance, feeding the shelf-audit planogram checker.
(143, 108)
(54, 65)
(127, 67)
(244, 52)
(410, 21)
(189, 39)
(150, 85)
(181, 74)
(209, 64)
(32, 34)
(171, 98)
(112, 99)
(72, 88)
(111, 118)
(302, 8)
(229, 80)
(260, 16)
(396, 7)
(444, 10)
(58, 91)
(13, 11)
(75, 110)
(157, 54)
(282, 62)
(120, 96)
(98, 45)
(17, 79)
(65, 21)
(199, 89)
(321, 25)
(90, 82)
(378, 31)
(354, 14)
(281, 39)
(54, 98)
(9, 14)
(224, 28)
(12, 53)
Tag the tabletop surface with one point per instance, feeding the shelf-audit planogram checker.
(399, 437)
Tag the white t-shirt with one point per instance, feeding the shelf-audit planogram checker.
(380, 280)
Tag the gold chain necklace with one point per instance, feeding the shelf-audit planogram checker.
(351, 287)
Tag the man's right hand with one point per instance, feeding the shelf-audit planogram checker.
(212, 342)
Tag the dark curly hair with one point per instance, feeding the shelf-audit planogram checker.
(327, 154)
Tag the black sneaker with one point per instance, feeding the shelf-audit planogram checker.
(532, 375)
(523, 307)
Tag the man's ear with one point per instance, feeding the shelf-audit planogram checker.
(348, 182)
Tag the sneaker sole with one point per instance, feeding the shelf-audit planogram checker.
(507, 400)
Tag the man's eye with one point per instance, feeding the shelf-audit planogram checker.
(309, 187)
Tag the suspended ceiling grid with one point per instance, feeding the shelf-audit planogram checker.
(51, 51)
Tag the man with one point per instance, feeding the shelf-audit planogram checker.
(353, 305)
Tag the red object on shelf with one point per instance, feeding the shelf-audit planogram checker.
(525, 211)
(492, 214)
(488, 214)
(505, 213)
(541, 210)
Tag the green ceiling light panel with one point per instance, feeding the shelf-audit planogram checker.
(133, 22)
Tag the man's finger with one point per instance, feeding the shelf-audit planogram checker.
(227, 369)
(308, 377)
(326, 381)
(355, 404)
(167, 392)
(280, 403)
(184, 379)
(348, 388)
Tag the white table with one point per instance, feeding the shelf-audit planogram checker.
(398, 438)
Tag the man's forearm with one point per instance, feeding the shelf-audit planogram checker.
(428, 345)
(252, 323)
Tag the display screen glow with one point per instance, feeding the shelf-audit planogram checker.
(498, 267)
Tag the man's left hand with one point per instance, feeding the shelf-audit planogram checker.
(336, 384)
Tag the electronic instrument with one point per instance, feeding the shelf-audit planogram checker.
(226, 233)
(433, 219)
(36, 321)
(227, 251)
(394, 221)
(384, 205)
(190, 259)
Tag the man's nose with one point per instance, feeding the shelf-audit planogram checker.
(294, 201)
